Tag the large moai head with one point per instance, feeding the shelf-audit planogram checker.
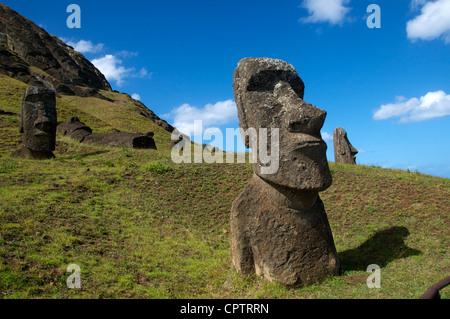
(269, 94)
(344, 152)
(38, 119)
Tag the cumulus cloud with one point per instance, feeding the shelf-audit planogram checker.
(331, 11)
(136, 96)
(111, 65)
(433, 21)
(112, 69)
(416, 4)
(211, 115)
(327, 137)
(432, 105)
(84, 46)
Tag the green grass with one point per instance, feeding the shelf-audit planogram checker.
(140, 226)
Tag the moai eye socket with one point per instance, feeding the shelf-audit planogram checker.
(266, 80)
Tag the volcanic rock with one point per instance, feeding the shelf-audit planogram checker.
(279, 228)
(38, 122)
(344, 152)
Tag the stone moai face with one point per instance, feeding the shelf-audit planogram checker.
(38, 119)
(269, 94)
(344, 152)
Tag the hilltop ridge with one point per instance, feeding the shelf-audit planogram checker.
(31, 55)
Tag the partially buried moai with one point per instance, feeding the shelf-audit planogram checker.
(279, 228)
(38, 123)
(344, 152)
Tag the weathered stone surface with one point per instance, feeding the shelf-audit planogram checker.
(82, 133)
(38, 123)
(75, 129)
(269, 94)
(121, 139)
(282, 235)
(279, 228)
(34, 50)
(31, 55)
(344, 152)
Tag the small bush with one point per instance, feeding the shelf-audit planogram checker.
(157, 167)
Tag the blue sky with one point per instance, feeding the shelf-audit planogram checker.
(388, 87)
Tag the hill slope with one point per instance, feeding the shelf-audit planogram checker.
(140, 226)
(116, 112)
(30, 55)
(26, 48)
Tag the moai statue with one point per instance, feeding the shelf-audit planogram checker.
(279, 228)
(74, 128)
(344, 152)
(38, 123)
(80, 132)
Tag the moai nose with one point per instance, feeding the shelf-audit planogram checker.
(301, 116)
(43, 125)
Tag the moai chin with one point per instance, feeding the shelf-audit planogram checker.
(344, 152)
(38, 123)
(279, 228)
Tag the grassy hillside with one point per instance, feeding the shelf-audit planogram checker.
(101, 115)
(140, 226)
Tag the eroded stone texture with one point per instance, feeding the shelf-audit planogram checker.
(82, 133)
(75, 129)
(121, 139)
(38, 123)
(279, 228)
(344, 152)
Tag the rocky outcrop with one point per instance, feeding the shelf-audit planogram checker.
(28, 53)
(279, 228)
(31, 55)
(344, 152)
(38, 123)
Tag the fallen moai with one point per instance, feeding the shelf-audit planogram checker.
(82, 133)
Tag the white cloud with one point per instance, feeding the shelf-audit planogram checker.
(433, 21)
(416, 4)
(332, 11)
(432, 105)
(211, 115)
(136, 96)
(84, 46)
(112, 69)
(327, 137)
(143, 72)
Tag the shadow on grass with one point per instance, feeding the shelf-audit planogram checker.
(382, 248)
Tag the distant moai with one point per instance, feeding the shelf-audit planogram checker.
(279, 227)
(38, 122)
(344, 152)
